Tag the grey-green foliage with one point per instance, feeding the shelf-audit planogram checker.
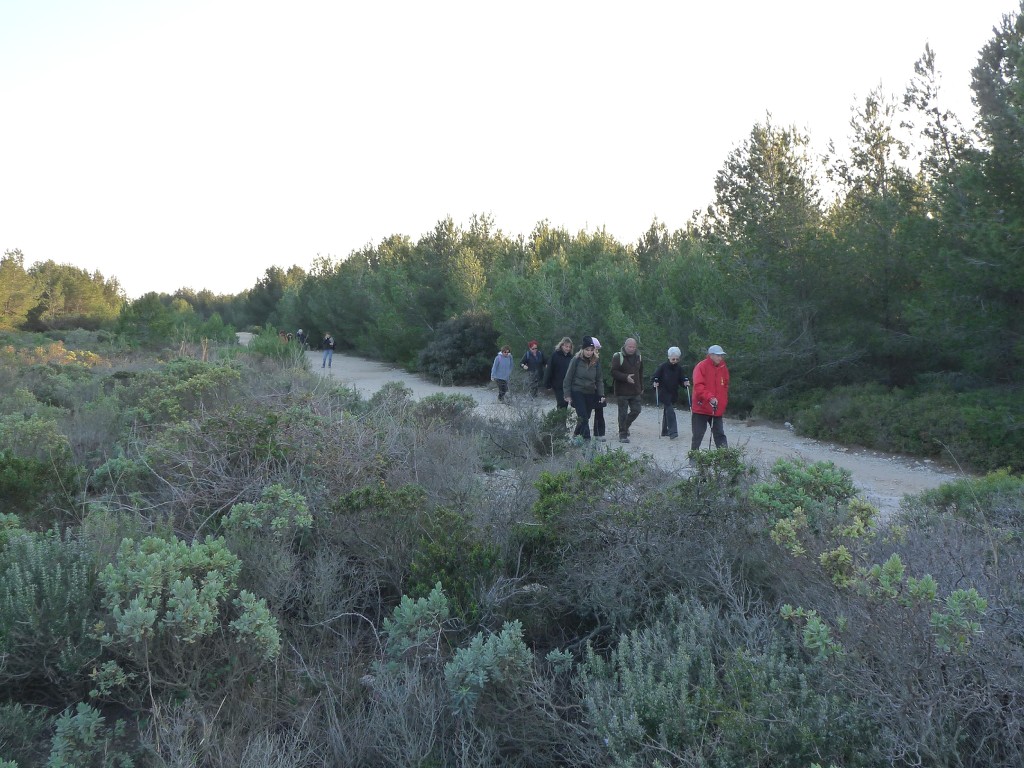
(696, 689)
(47, 603)
(85, 740)
(487, 665)
(23, 735)
(174, 612)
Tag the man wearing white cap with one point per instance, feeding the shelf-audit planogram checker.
(710, 397)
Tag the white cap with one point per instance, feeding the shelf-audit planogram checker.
(674, 352)
(597, 344)
(714, 349)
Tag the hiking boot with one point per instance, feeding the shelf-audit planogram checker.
(623, 438)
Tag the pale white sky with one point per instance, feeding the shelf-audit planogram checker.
(198, 142)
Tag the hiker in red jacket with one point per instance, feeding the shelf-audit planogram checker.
(710, 397)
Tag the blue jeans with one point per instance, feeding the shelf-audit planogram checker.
(328, 356)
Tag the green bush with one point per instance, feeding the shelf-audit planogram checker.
(462, 350)
(85, 740)
(268, 345)
(37, 467)
(697, 689)
(24, 735)
(179, 390)
(176, 620)
(818, 489)
(47, 609)
(979, 429)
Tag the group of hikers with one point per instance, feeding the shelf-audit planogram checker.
(578, 381)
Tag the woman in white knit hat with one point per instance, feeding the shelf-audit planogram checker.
(667, 380)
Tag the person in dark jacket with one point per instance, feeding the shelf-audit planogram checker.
(327, 345)
(533, 363)
(599, 426)
(584, 384)
(628, 385)
(554, 374)
(667, 380)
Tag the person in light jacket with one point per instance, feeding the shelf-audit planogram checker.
(501, 371)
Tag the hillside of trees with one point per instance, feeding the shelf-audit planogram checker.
(212, 556)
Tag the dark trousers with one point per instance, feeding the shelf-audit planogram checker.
(700, 422)
(502, 388)
(560, 398)
(599, 426)
(629, 410)
(584, 405)
(669, 427)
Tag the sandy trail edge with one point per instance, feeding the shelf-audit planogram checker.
(882, 479)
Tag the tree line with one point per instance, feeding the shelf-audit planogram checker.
(894, 266)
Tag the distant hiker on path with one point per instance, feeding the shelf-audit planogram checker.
(533, 362)
(328, 347)
(710, 397)
(501, 371)
(627, 385)
(669, 377)
(556, 370)
(300, 336)
(584, 385)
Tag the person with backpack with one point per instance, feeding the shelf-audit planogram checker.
(667, 380)
(554, 374)
(584, 385)
(627, 385)
(533, 363)
(710, 398)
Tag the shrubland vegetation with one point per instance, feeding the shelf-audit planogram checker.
(210, 556)
(236, 562)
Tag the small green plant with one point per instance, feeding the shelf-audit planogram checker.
(487, 666)
(85, 740)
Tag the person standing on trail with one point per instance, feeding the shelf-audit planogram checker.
(710, 398)
(669, 377)
(328, 347)
(627, 385)
(554, 375)
(501, 371)
(533, 362)
(300, 336)
(599, 425)
(584, 385)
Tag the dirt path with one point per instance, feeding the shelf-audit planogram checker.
(882, 479)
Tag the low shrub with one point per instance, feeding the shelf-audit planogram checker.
(462, 350)
(979, 429)
(696, 689)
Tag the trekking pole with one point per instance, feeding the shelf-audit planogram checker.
(712, 430)
(689, 404)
